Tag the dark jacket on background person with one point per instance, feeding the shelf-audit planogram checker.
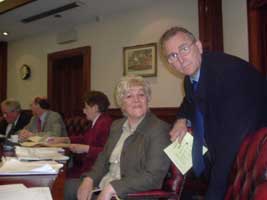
(23, 120)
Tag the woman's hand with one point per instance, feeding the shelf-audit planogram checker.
(179, 130)
(85, 190)
(107, 193)
(56, 140)
(79, 148)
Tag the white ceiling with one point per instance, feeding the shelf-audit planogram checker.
(88, 11)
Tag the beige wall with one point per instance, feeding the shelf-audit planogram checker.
(235, 29)
(107, 38)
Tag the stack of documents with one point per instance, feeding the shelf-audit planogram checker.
(41, 153)
(19, 191)
(13, 166)
(35, 141)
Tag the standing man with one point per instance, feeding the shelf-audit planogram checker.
(224, 100)
(15, 119)
(44, 122)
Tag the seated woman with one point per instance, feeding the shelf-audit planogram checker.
(133, 159)
(88, 145)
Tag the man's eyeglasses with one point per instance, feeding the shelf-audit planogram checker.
(183, 50)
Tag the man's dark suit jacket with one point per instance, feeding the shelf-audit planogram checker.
(230, 95)
(23, 120)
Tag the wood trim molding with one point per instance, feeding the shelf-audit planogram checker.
(210, 24)
(255, 37)
(167, 114)
(3, 70)
(10, 5)
(256, 3)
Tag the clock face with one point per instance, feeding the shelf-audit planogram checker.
(25, 72)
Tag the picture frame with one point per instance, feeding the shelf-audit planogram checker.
(140, 60)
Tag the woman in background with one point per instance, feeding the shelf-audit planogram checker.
(88, 145)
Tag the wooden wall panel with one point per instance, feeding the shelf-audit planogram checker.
(210, 24)
(167, 114)
(3, 70)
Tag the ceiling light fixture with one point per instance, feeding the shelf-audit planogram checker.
(5, 33)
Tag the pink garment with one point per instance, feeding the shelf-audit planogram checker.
(39, 125)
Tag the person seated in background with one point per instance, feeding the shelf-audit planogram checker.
(44, 122)
(89, 144)
(133, 159)
(14, 118)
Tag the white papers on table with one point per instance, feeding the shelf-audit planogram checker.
(13, 166)
(19, 191)
(40, 153)
(181, 153)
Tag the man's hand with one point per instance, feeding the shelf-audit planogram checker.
(85, 190)
(79, 148)
(107, 193)
(179, 130)
(25, 134)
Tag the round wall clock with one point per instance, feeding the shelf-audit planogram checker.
(24, 72)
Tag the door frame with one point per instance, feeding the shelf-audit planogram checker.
(254, 33)
(3, 70)
(85, 52)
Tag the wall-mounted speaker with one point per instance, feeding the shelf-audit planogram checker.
(67, 36)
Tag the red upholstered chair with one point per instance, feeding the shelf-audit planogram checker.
(248, 178)
(172, 187)
(76, 125)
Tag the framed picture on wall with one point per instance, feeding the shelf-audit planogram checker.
(140, 60)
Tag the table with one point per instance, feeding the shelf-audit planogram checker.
(55, 181)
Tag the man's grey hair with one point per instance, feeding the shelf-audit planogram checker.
(172, 32)
(12, 105)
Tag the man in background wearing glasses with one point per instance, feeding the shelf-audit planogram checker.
(14, 118)
(224, 101)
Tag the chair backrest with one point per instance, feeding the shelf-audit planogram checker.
(174, 180)
(171, 189)
(248, 177)
(76, 125)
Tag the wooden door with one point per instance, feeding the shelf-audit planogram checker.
(210, 24)
(257, 33)
(68, 80)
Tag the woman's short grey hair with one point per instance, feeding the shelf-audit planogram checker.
(12, 105)
(127, 82)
